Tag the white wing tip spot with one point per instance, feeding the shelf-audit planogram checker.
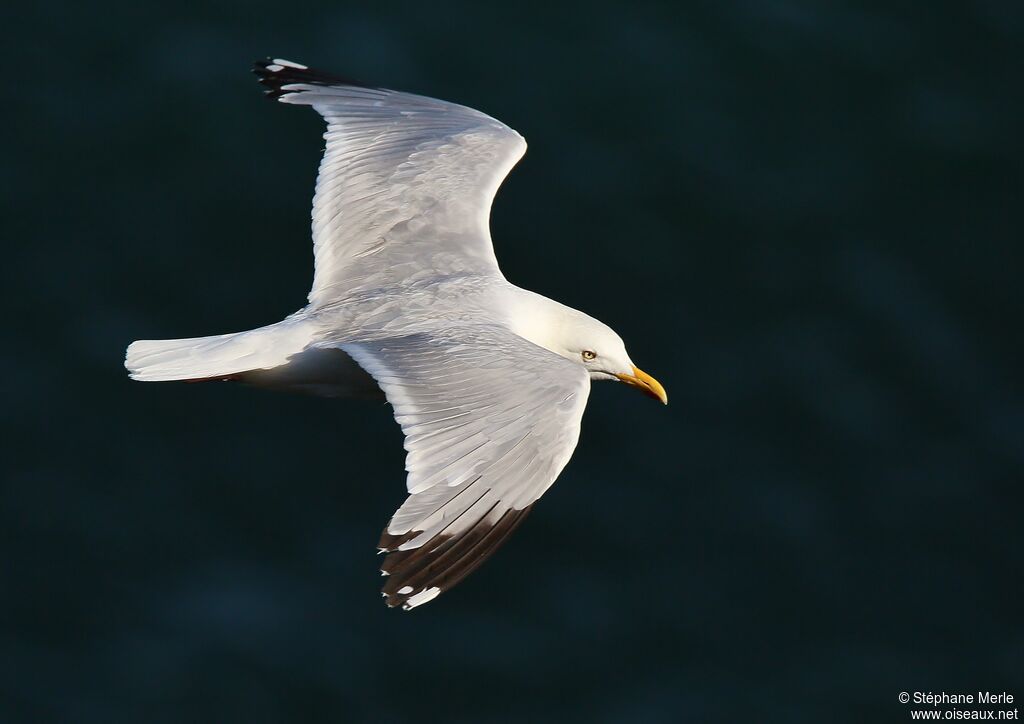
(404, 590)
(286, 64)
(420, 598)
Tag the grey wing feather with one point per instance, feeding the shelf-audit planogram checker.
(490, 420)
(405, 184)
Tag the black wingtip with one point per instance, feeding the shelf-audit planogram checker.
(274, 73)
(418, 575)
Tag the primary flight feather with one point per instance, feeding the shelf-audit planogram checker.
(488, 380)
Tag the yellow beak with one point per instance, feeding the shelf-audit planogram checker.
(647, 384)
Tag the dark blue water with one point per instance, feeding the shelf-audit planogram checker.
(804, 220)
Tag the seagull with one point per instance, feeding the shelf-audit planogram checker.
(487, 380)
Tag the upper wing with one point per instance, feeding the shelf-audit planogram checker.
(490, 420)
(405, 184)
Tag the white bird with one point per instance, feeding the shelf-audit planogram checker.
(488, 380)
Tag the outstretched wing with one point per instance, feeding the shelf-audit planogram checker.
(490, 420)
(405, 184)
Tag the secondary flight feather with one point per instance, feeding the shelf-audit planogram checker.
(487, 380)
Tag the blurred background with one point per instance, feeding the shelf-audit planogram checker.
(804, 220)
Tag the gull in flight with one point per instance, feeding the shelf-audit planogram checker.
(487, 380)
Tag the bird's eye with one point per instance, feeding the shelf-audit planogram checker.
(588, 355)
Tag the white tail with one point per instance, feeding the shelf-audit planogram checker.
(223, 355)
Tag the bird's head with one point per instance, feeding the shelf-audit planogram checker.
(583, 340)
(602, 352)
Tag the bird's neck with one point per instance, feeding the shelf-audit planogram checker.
(538, 319)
